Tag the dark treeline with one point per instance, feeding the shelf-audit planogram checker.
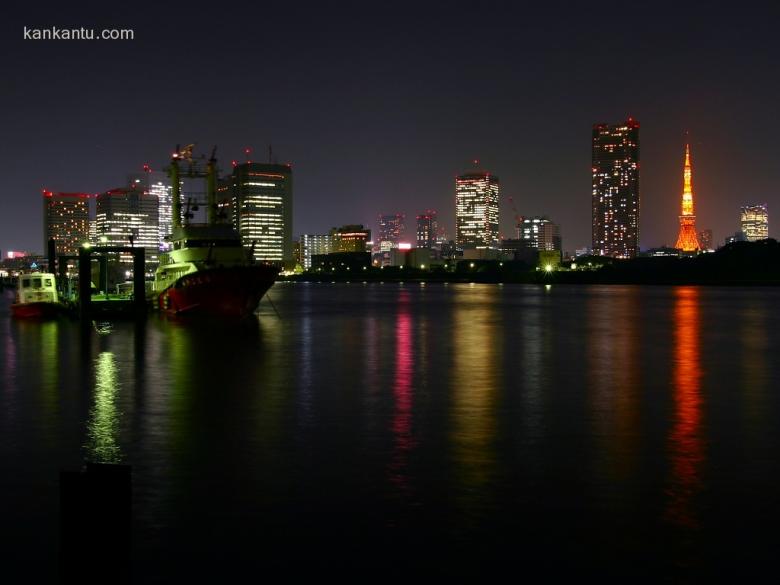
(738, 263)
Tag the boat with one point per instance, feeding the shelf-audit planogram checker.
(208, 271)
(36, 297)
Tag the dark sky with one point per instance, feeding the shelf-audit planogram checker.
(379, 106)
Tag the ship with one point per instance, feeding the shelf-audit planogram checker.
(207, 271)
(36, 297)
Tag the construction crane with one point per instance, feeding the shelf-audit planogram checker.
(518, 217)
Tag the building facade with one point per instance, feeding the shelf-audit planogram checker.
(706, 239)
(540, 233)
(128, 217)
(66, 220)
(754, 221)
(311, 245)
(261, 208)
(391, 229)
(158, 184)
(476, 210)
(615, 194)
(427, 229)
(349, 238)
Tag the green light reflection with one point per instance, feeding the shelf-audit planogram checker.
(103, 424)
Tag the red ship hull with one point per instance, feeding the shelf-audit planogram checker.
(221, 292)
(42, 310)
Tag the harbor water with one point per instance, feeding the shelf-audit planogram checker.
(368, 431)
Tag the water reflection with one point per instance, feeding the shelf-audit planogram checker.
(475, 382)
(685, 441)
(754, 362)
(103, 423)
(614, 380)
(402, 394)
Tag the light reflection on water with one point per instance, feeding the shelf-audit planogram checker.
(589, 419)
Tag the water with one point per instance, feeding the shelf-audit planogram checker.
(406, 430)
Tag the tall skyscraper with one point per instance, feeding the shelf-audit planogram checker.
(66, 220)
(755, 222)
(476, 209)
(158, 184)
(391, 229)
(262, 205)
(539, 233)
(313, 244)
(427, 229)
(615, 195)
(129, 216)
(687, 240)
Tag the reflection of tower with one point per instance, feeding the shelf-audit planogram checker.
(688, 240)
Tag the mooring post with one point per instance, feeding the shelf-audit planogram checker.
(52, 253)
(85, 282)
(139, 280)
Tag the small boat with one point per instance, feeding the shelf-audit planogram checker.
(36, 297)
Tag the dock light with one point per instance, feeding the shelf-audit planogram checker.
(548, 268)
(86, 245)
(573, 266)
(422, 266)
(471, 265)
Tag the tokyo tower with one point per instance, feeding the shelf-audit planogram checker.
(688, 240)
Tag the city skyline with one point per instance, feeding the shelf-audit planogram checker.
(405, 132)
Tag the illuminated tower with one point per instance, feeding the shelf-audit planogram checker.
(688, 240)
(615, 193)
(476, 210)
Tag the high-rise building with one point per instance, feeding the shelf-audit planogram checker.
(688, 239)
(427, 229)
(313, 244)
(539, 233)
(615, 195)
(391, 229)
(349, 238)
(262, 205)
(476, 209)
(158, 184)
(129, 217)
(706, 240)
(66, 220)
(755, 222)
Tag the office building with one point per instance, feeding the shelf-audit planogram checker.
(705, 239)
(158, 184)
(615, 193)
(754, 221)
(349, 238)
(539, 232)
(128, 217)
(311, 245)
(427, 229)
(476, 209)
(391, 229)
(66, 220)
(261, 207)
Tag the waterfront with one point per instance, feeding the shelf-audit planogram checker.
(375, 430)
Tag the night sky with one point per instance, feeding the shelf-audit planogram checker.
(378, 107)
